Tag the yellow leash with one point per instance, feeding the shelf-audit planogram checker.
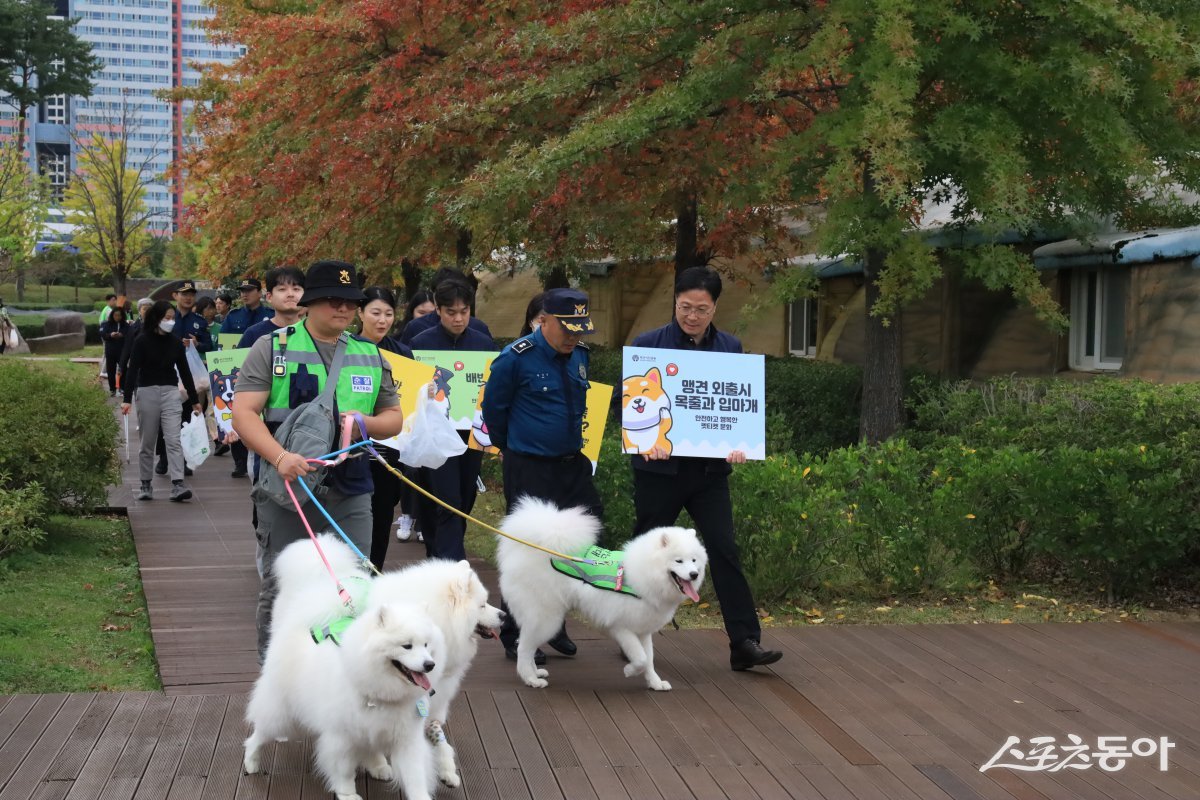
(464, 515)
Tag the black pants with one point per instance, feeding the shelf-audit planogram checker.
(240, 455)
(383, 506)
(565, 482)
(111, 356)
(453, 483)
(658, 499)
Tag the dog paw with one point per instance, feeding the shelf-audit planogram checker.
(349, 797)
(660, 686)
(543, 673)
(633, 669)
(537, 683)
(381, 773)
(450, 779)
(251, 764)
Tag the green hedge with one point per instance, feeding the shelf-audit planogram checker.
(55, 433)
(82, 308)
(36, 328)
(22, 511)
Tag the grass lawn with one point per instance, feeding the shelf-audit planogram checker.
(75, 618)
(36, 293)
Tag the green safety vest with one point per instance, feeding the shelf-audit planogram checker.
(607, 573)
(358, 382)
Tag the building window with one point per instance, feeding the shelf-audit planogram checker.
(55, 163)
(802, 328)
(1098, 301)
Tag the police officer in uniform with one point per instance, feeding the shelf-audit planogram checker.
(288, 368)
(663, 486)
(190, 327)
(252, 311)
(533, 408)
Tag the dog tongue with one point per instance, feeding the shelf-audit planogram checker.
(421, 680)
(690, 591)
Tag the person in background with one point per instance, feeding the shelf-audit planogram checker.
(207, 308)
(110, 302)
(6, 326)
(191, 329)
(419, 305)
(663, 485)
(113, 332)
(156, 359)
(378, 314)
(135, 329)
(534, 405)
(285, 287)
(455, 481)
(224, 301)
(535, 313)
(422, 324)
(252, 311)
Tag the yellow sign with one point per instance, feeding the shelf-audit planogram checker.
(595, 416)
(409, 376)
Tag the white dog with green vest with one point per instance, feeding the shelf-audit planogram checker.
(630, 594)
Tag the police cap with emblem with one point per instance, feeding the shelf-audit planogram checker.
(327, 279)
(570, 307)
(186, 286)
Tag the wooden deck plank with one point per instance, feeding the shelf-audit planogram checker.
(528, 749)
(49, 742)
(100, 762)
(27, 730)
(70, 760)
(225, 771)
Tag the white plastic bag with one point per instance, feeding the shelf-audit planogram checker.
(13, 338)
(429, 437)
(193, 436)
(199, 372)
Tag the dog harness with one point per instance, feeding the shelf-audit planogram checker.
(359, 589)
(603, 569)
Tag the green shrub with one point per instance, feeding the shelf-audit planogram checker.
(56, 433)
(614, 483)
(788, 528)
(812, 406)
(22, 511)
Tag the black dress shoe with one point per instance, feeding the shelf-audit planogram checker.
(238, 473)
(563, 644)
(160, 468)
(187, 472)
(221, 450)
(749, 653)
(539, 658)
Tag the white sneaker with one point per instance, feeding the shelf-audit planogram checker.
(404, 527)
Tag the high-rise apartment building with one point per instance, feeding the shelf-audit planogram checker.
(146, 47)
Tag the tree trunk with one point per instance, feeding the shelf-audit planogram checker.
(411, 276)
(686, 232)
(462, 248)
(555, 279)
(19, 271)
(883, 371)
(119, 280)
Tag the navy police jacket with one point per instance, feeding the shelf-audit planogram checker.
(672, 337)
(242, 318)
(422, 324)
(535, 398)
(438, 338)
(192, 324)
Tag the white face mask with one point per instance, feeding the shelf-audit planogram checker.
(167, 325)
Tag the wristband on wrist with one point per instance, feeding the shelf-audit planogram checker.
(279, 458)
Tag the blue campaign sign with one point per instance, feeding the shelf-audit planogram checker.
(693, 403)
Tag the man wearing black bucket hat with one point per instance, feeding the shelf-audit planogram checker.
(288, 369)
(533, 408)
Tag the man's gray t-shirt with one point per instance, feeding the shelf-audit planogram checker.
(255, 373)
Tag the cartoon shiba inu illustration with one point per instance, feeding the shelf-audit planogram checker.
(645, 413)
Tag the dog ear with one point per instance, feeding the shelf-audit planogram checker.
(665, 539)
(381, 616)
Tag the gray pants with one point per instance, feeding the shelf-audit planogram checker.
(278, 527)
(159, 406)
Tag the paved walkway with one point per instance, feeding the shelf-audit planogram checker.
(878, 713)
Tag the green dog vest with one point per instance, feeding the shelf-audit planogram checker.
(359, 589)
(608, 571)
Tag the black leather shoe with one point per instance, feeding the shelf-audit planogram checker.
(749, 653)
(238, 473)
(160, 468)
(187, 472)
(221, 450)
(563, 644)
(539, 658)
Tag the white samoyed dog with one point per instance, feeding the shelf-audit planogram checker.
(458, 604)
(661, 566)
(360, 697)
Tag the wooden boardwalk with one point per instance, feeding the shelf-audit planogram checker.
(877, 713)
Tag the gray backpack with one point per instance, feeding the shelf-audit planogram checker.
(311, 430)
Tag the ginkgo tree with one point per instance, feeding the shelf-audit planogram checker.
(105, 199)
(23, 201)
